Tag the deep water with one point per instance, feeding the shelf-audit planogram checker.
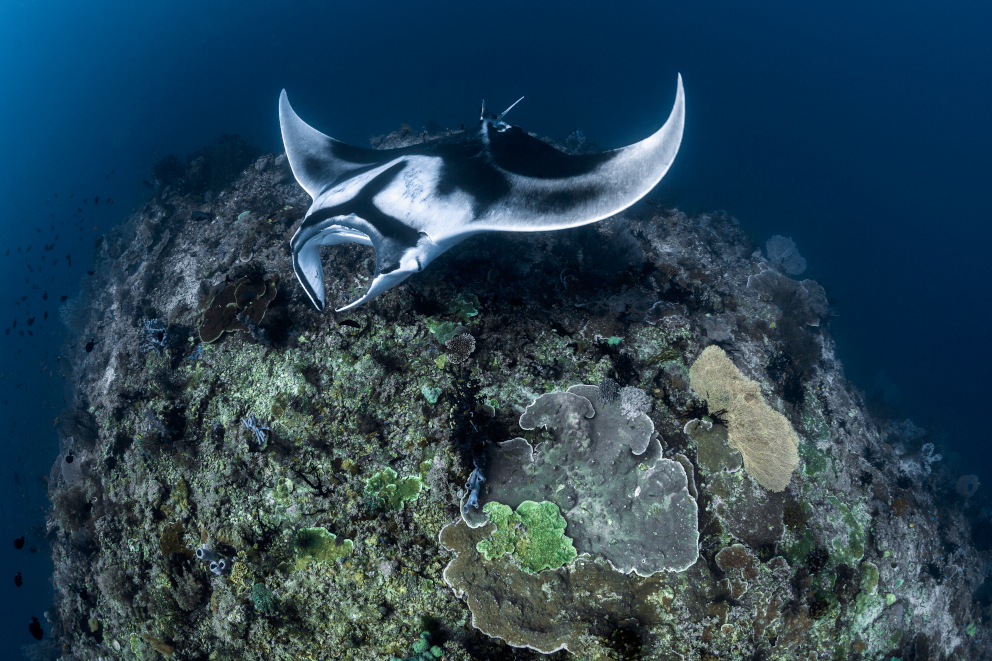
(860, 131)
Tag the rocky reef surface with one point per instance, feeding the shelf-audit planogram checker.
(242, 477)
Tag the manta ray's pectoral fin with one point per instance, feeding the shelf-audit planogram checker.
(394, 262)
(318, 161)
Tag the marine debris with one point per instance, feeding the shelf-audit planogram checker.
(648, 450)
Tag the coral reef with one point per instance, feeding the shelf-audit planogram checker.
(346, 534)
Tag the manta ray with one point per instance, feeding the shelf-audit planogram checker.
(414, 203)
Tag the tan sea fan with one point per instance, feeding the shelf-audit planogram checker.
(763, 436)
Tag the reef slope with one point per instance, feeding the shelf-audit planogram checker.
(326, 506)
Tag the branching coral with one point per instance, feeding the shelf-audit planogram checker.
(460, 347)
(156, 336)
(258, 428)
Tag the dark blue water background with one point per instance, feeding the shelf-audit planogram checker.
(860, 131)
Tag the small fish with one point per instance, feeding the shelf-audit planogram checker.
(63, 297)
(89, 345)
(90, 272)
(18, 581)
(30, 321)
(19, 543)
(44, 296)
(35, 628)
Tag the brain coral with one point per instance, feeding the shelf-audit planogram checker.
(763, 436)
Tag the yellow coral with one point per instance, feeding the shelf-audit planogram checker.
(763, 436)
(241, 576)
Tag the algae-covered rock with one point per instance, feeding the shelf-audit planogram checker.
(319, 545)
(714, 453)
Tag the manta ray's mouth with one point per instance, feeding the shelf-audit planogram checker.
(306, 254)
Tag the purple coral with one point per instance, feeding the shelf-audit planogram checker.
(473, 485)
(257, 427)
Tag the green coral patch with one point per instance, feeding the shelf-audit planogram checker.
(385, 490)
(534, 535)
(319, 545)
(262, 597)
(814, 459)
(465, 306)
(798, 548)
(430, 394)
(446, 330)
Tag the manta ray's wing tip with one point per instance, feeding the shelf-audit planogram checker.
(284, 107)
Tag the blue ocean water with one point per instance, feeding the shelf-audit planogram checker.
(861, 131)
